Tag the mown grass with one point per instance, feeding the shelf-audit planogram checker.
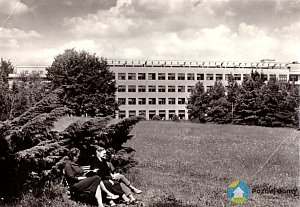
(189, 165)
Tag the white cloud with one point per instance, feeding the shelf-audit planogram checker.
(177, 29)
(7, 6)
(13, 38)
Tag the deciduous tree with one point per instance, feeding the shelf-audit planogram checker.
(89, 86)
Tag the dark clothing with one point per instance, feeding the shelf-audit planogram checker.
(115, 189)
(73, 171)
(104, 170)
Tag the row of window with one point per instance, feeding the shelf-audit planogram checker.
(34, 71)
(154, 88)
(151, 113)
(189, 76)
(151, 101)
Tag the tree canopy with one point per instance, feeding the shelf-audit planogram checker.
(254, 102)
(5, 68)
(89, 86)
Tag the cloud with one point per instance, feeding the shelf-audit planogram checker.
(178, 29)
(8, 6)
(130, 18)
(13, 38)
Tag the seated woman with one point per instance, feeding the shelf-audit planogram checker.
(78, 182)
(113, 181)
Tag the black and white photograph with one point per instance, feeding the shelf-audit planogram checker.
(149, 103)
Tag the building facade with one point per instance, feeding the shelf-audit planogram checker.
(163, 88)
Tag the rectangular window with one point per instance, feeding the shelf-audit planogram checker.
(246, 76)
(208, 88)
(181, 114)
(171, 101)
(142, 89)
(237, 77)
(227, 76)
(162, 114)
(209, 76)
(122, 88)
(171, 88)
(171, 76)
(142, 76)
(190, 88)
(132, 113)
(151, 114)
(131, 76)
(181, 76)
(189, 100)
(142, 101)
(26, 71)
(181, 100)
(191, 76)
(142, 112)
(113, 75)
(264, 77)
(219, 77)
(162, 101)
(152, 101)
(272, 76)
(161, 76)
(151, 88)
(171, 113)
(181, 89)
(282, 78)
(200, 76)
(293, 77)
(151, 76)
(121, 76)
(131, 101)
(122, 114)
(161, 88)
(122, 101)
(132, 88)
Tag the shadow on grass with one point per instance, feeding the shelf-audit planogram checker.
(170, 201)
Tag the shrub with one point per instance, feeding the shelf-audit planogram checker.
(156, 118)
(175, 118)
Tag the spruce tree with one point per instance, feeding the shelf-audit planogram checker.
(219, 107)
(198, 103)
(249, 102)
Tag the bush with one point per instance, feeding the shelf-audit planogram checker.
(156, 118)
(175, 118)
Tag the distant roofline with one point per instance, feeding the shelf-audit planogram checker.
(119, 62)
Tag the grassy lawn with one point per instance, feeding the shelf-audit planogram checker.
(195, 163)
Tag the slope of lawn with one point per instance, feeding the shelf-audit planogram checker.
(194, 163)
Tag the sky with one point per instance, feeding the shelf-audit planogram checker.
(33, 32)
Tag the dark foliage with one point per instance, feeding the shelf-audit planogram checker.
(156, 118)
(254, 102)
(198, 104)
(5, 68)
(175, 118)
(89, 87)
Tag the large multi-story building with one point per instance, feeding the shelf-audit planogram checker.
(163, 87)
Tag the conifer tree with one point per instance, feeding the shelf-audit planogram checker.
(219, 107)
(198, 104)
(249, 102)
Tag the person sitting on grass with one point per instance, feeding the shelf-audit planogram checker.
(78, 182)
(113, 180)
